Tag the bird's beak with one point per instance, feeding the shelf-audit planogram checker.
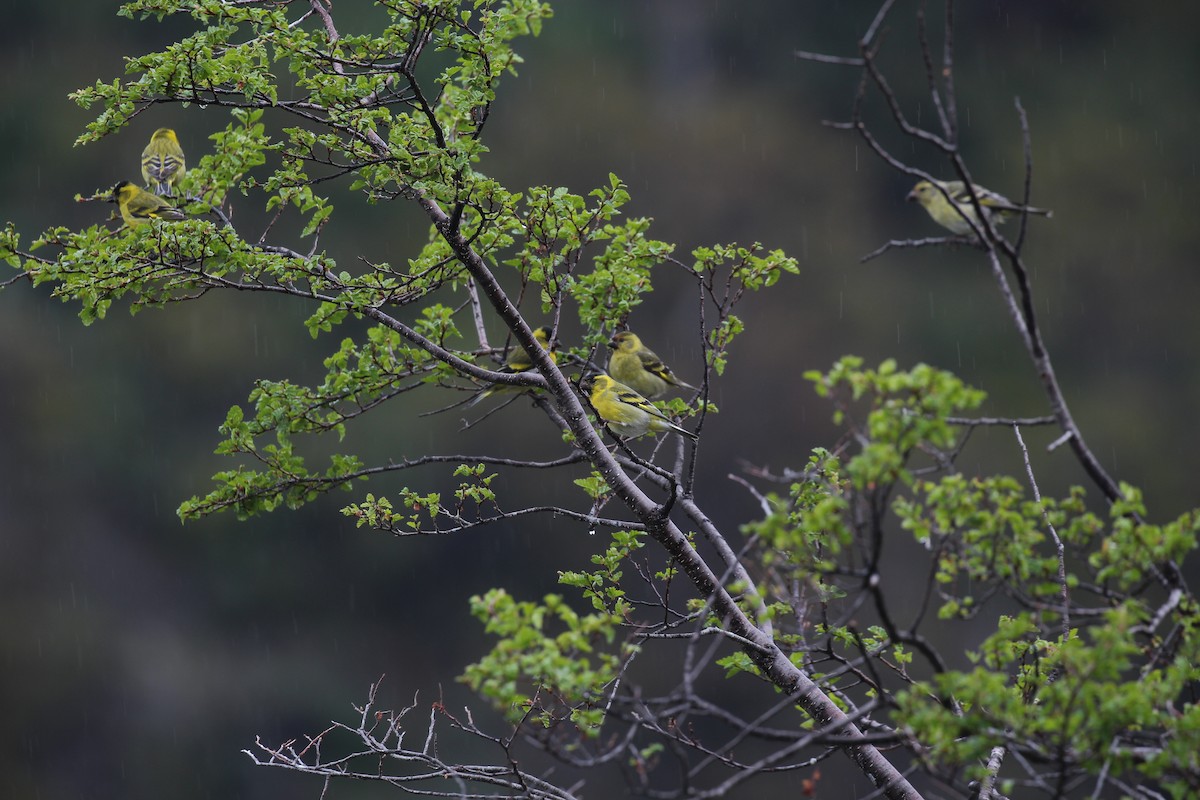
(912, 196)
(612, 343)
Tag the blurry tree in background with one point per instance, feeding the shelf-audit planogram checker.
(694, 658)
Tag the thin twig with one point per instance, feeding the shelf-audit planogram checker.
(1058, 544)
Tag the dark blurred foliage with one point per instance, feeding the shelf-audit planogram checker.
(140, 655)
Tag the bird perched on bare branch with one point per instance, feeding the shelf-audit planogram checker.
(949, 204)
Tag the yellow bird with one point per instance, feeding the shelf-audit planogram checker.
(627, 413)
(953, 208)
(162, 161)
(139, 206)
(518, 361)
(636, 366)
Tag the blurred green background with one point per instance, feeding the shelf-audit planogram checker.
(139, 655)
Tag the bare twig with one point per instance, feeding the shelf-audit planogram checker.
(1058, 543)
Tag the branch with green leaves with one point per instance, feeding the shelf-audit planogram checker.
(802, 603)
(371, 111)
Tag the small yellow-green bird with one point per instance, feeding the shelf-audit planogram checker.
(162, 161)
(636, 366)
(518, 361)
(139, 206)
(627, 413)
(953, 209)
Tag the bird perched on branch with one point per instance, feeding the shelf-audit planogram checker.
(139, 206)
(162, 161)
(636, 366)
(518, 361)
(952, 207)
(627, 413)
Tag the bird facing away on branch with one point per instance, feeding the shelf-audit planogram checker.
(953, 208)
(636, 366)
(162, 161)
(627, 413)
(139, 206)
(518, 361)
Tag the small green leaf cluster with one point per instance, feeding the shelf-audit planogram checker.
(726, 271)
(237, 150)
(218, 62)
(477, 488)
(284, 479)
(594, 485)
(379, 514)
(746, 268)
(986, 533)
(552, 678)
(10, 241)
(905, 409)
(603, 585)
(359, 378)
(620, 275)
(803, 535)
(548, 664)
(1087, 696)
(1135, 550)
(155, 266)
